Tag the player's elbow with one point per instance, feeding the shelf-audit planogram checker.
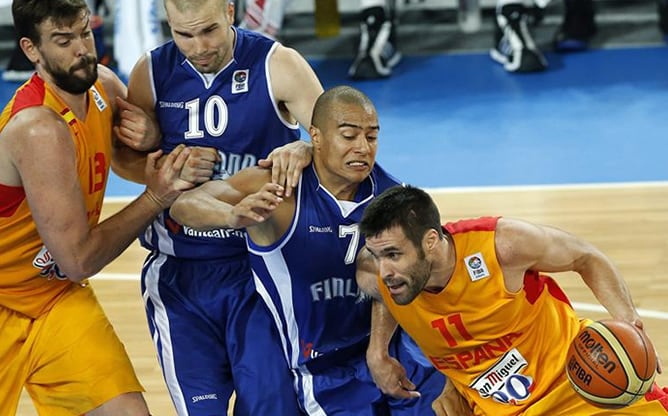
(78, 274)
(77, 269)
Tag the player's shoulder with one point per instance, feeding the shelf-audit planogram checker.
(37, 127)
(112, 84)
(285, 56)
(36, 119)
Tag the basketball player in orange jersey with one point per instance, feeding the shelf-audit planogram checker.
(55, 152)
(473, 297)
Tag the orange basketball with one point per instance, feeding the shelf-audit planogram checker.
(611, 363)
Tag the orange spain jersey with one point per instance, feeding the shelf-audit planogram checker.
(501, 349)
(30, 281)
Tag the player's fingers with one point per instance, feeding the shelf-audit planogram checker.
(153, 157)
(174, 161)
(659, 366)
(401, 393)
(264, 163)
(406, 383)
(253, 216)
(278, 172)
(272, 192)
(292, 179)
(124, 104)
(181, 158)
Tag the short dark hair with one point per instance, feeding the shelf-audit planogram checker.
(340, 94)
(29, 14)
(408, 207)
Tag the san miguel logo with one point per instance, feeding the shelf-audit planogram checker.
(47, 265)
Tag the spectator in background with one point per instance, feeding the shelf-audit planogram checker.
(377, 51)
(514, 46)
(579, 25)
(137, 29)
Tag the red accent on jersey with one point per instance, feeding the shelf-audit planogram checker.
(659, 394)
(31, 94)
(10, 199)
(477, 224)
(534, 283)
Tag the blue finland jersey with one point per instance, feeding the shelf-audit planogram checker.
(308, 276)
(232, 111)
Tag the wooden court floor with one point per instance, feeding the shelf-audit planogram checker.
(628, 222)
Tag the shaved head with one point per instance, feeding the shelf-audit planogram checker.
(337, 95)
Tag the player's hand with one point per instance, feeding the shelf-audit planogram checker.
(257, 207)
(639, 324)
(451, 403)
(163, 183)
(390, 376)
(287, 163)
(200, 164)
(135, 128)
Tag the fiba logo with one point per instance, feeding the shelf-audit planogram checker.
(476, 267)
(475, 262)
(240, 81)
(240, 76)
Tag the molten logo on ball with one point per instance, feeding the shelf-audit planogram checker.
(596, 351)
(611, 363)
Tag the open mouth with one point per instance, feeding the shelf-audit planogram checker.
(356, 164)
(396, 288)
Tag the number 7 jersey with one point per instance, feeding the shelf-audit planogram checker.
(307, 278)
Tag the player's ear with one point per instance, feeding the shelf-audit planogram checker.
(430, 240)
(29, 49)
(314, 132)
(230, 11)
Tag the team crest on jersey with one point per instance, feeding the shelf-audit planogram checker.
(97, 98)
(476, 266)
(240, 81)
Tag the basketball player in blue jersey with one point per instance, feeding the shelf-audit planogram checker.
(303, 249)
(219, 87)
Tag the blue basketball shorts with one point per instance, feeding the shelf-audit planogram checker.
(214, 335)
(341, 384)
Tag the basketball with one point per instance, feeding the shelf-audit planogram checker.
(611, 363)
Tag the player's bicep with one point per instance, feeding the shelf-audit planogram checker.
(140, 86)
(45, 158)
(294, 83)
(525, 246)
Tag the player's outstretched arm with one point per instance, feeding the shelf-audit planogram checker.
(245, 199)
(523, 246)
(55, 195)
(387, 372)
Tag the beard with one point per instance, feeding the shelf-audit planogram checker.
(417, 277)
(71, 82)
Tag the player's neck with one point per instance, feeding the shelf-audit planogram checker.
(443, 265)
